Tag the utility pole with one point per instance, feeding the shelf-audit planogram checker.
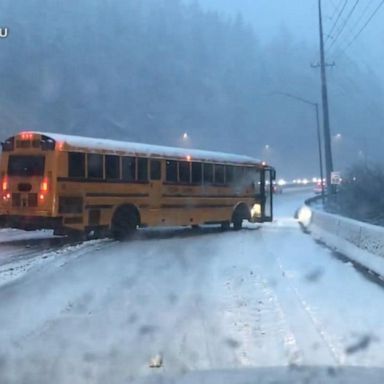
(320, 152)
(324, 95)
(316, 106)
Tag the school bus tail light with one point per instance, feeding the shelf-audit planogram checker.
(4, 184)
(6, 196)
(44, 189)
(5, 193)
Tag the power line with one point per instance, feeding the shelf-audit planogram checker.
(355, 27)
(336, 9)
(363, 14)
(365, 25)
(341, 29)
(355, 37)
(336, 21)
(344, 24)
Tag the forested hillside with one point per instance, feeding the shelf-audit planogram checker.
(149, 70)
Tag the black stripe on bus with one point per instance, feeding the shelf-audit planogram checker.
(109, 194)
(181, 184)
(104, 181)
(73, 220)
(211, 196)
(108, 206)
(196, 206)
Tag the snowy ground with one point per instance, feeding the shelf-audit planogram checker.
(261, 298)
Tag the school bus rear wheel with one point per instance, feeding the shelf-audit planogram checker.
(240, 213)
(124, 222)
(237, 224)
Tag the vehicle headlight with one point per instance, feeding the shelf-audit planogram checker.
(305, 215)
(256, 210)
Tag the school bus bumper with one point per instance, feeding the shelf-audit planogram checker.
(30, 223)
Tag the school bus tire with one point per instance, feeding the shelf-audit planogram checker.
(237, 224)
(240, 213)
(124, 222)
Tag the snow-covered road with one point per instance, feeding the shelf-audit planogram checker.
(101, 311)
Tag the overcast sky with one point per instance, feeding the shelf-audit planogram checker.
(300, 18)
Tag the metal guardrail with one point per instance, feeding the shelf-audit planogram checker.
(312, 200)
(366, 237)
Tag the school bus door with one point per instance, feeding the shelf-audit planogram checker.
(267, 191)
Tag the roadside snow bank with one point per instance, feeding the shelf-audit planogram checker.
(360, 241)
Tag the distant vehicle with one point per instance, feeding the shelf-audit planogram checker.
(92, 186)
(317, 188)
(277, 188)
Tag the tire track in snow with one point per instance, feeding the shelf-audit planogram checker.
(48, 262)
(294, 354)
(314, 344)
(335, 351)
(15, 269)
(254, 322)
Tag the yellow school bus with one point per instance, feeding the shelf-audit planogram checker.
(100, 187)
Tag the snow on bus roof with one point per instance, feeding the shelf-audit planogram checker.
(147, 150)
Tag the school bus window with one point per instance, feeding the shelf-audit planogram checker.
(229, 174)
(208, 173)
(197, 173)
(250, 176)
(256, 179)
(155, 169)
(95, 166)
(112, 167)
(142, 169)
(184, 172)
(129, 168)
(219, 174)
(20, 165)
(76, 164)
(171, 171)
(238, 175)
(247, 175)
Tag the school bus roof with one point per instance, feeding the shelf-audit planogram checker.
(71, 142)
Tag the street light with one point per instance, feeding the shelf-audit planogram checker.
(316, 106)
(184, 140)
(267, 153)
